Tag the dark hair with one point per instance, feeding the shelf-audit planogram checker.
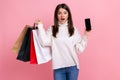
(70, 22)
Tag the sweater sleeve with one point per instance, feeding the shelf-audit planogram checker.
(80, 41)
(45, 37)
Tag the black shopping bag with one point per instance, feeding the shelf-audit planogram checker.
(24, 53)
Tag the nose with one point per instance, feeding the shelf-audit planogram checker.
(62, 15)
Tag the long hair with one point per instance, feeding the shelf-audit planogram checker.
(70, 22)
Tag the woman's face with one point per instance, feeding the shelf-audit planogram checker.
(62, 15)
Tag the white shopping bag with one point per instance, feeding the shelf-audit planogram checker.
(43, 54)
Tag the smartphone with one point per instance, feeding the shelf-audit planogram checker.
(88, 24)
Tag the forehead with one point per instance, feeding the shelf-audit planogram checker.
(62, 10)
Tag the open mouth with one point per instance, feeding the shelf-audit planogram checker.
(62, 18)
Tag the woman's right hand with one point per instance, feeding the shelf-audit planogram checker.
(36, 23)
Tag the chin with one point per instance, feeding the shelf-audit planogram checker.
(62, 22)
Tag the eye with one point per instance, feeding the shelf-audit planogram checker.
(59, 13)
(65, 12)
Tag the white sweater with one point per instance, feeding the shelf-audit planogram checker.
(63, 47)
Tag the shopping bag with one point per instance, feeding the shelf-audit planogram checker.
(17, 45)
(43, 54)
(24, 52)
(33, 59)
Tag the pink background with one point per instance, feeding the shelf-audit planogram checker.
(100, 60)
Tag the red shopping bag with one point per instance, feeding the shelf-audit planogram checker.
(33, 59)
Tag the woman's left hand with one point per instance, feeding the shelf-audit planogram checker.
(86, 33)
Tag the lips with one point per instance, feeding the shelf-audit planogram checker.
(62, 18)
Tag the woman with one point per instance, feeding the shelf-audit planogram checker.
(65, 40)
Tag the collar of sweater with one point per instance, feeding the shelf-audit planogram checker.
(63, 25)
